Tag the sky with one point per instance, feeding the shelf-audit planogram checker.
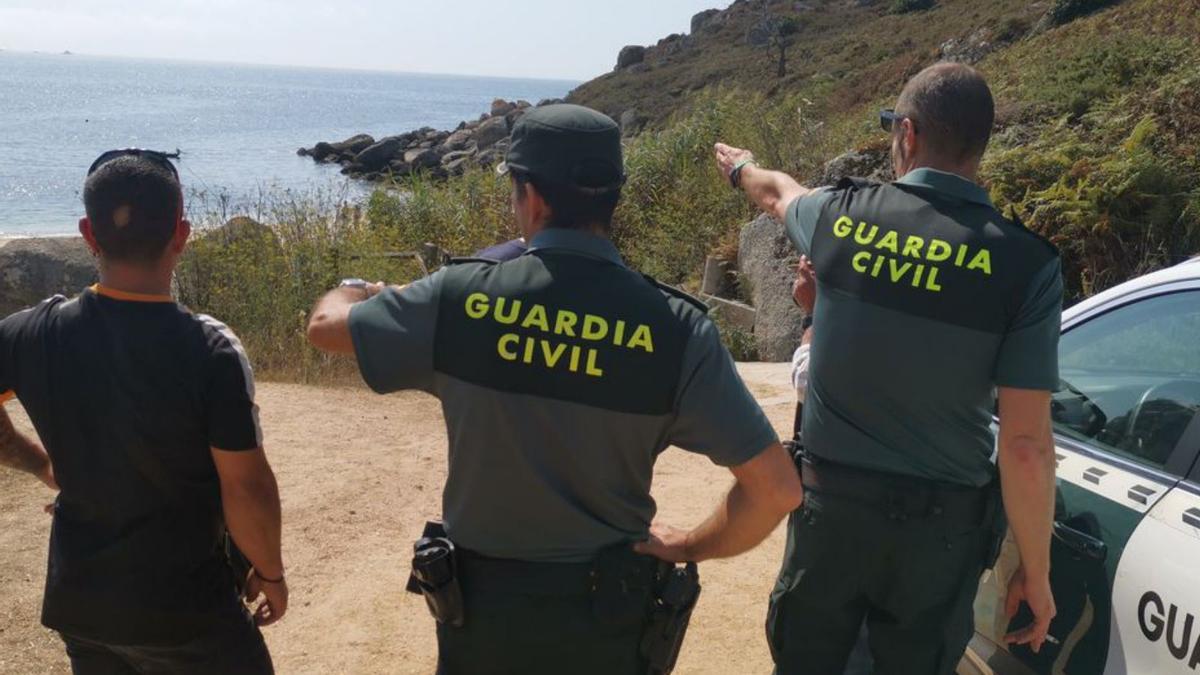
(554, 39)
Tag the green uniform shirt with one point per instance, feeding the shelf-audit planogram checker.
(928, 300)
(562, 375)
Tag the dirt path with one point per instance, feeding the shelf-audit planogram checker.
(359, 474)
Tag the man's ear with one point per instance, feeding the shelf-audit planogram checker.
(909, 136)
(539, 210)
(183, 230)
(85, 230)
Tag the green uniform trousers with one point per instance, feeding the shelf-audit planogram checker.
(913, 582)
(529, 619)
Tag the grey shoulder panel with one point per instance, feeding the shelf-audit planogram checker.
(672, 292)
(855, 183)
(1016, 221)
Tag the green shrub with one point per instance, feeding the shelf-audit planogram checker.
(906, 6)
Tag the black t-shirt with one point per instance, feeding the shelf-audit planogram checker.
(128, 394)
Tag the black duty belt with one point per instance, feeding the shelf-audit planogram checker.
(900, 497)
(482, 573)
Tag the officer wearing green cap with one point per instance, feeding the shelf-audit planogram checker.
(563, 374)
(930, 303)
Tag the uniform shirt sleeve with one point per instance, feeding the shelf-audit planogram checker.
(1028, 356)
(717, 416)
(233, 424)
(393, 335)
(13, 331)
(802, 216)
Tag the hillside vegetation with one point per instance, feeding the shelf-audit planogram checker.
(1097, 147)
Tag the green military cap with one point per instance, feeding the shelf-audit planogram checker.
(568, 145)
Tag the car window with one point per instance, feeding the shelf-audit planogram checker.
(1131, 377)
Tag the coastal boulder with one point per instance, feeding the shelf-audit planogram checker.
(633, 54)
(354, 144)
(457, 140)
(377, 156)
(501, 108)
(766, 260)
(631, 122)
(491, 132)
(422, 158)
(32, 270)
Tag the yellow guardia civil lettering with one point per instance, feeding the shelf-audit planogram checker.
(884, 256)
(543, 350)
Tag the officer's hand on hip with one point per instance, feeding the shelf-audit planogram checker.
(1035, 592)
(729, 157)
(665, 543)
(804, 288)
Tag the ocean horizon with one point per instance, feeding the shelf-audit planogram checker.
(237, 125)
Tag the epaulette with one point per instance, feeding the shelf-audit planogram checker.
(468, 260)
(856, 183)
(675, 292)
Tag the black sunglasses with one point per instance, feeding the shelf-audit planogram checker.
(160, 158)
(888, 118)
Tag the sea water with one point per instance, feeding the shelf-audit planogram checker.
(237, 126)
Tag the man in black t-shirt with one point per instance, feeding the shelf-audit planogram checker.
(147, 413)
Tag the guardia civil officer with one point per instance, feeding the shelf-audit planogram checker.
(563, 374)
(929, 301)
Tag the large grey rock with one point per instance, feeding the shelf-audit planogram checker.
(970, 50)
(491, 132)
(458, 140)
(630, 55)
(422, 158)
(501, 108)
(704, 20)
(32, 270)
(766, 260)
(380, 154)
(870, 163)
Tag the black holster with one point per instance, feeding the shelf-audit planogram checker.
(676, 591)
(435, 575)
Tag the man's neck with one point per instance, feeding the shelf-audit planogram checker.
(969, 171)
(140, 280)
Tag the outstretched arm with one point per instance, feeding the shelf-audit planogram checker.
(19, 452)
(771, 191)
(329, 325)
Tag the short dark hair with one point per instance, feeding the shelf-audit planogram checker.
(952, 107)
(134, 206)
(572, 207)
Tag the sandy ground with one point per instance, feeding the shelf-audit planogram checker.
(359, 474)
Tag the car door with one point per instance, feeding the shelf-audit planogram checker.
(1123, 421)
(1157, 591)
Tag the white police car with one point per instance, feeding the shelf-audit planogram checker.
(1126, 549)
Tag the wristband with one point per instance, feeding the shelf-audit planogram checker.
(263, 579)
(735, 176)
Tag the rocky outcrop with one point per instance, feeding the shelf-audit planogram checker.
(766, 260)
(32, 270)
(439, 154)
(704, 20)
(873, 163)
(631, 55)
(970, 50)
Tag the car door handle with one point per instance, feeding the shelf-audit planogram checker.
(1083, 544)
(1192, 517)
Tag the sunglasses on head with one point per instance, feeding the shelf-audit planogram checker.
(889, 118)
(160, 158)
